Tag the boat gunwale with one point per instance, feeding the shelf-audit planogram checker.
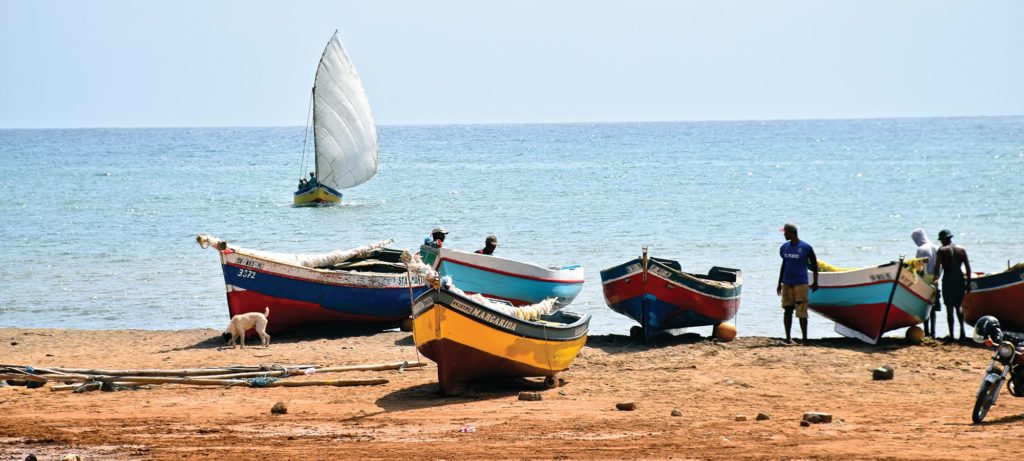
(419, 281)
(436, 296)
(553, 275)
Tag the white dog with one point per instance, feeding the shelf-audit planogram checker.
(242, 322)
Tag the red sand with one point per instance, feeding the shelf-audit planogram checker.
(924, 413)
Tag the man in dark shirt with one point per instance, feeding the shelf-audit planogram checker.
(797, 257)
(436, 238)
(956, 282)
(489, 245)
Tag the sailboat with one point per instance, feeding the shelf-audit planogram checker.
(344, 135)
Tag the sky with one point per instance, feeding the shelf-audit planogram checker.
(74, 64)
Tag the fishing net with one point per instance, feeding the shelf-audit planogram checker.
(315, 260)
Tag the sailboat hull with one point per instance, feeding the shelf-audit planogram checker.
(319, 195)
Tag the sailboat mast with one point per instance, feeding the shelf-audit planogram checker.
(305, 138)
(312, 102)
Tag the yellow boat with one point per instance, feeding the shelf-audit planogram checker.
(470, 340)
(317, 195)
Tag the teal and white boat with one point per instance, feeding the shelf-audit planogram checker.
(866, 303)
(517, 282)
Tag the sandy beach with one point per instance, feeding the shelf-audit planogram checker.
(924, 413)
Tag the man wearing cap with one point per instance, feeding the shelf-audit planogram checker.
(955, 281)
(436, 238)
(489, 245)
(797, 257)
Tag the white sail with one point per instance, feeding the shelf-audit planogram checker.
(344, 134)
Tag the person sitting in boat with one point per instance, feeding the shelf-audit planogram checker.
(303, 184)
(312, 179)
(490, 244)
(927, 249)
(436, 238)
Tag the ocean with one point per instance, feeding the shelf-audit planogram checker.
(98, 225)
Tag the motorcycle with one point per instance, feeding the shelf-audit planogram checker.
(1009, 353)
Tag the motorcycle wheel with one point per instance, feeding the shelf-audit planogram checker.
(986, 396)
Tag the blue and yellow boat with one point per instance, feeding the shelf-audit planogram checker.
(471, 340)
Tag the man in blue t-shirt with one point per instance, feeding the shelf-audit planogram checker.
(797, 257)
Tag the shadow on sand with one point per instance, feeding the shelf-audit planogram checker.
(612, 343)
(297, 335)
(429, 395)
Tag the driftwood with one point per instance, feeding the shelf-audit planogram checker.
(235, 375)
(139, 381)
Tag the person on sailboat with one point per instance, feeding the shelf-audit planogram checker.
(956, 282)
(927, 249)
(436, 238)
(490, 244)
(312, 179)
(303, 184)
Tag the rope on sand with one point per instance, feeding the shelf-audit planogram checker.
(261, 381)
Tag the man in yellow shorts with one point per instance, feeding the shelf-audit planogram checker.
(797, 257)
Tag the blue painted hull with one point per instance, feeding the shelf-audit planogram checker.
(366, 303)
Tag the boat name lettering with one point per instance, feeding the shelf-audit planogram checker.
(250, 263)
(485, 316)
(877, 277)
(633, 268)
(661, 272)
(425, 303)
(246, 274)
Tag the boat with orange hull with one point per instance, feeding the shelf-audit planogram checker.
(1000, 295)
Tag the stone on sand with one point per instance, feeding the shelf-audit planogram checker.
(530, 396)
(813, 417)
(625, 406)
(883, 373)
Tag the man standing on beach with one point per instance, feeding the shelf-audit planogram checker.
(927, 249)
(797, 257)
(955, 282)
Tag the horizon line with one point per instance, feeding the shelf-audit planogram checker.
(606, 122)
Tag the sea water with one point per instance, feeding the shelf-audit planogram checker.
(98, 225)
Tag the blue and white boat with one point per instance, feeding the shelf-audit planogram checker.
(519, 283)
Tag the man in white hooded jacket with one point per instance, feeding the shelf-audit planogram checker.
(927, 249)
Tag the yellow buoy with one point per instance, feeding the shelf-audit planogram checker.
(725, 331)
(915, 334)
